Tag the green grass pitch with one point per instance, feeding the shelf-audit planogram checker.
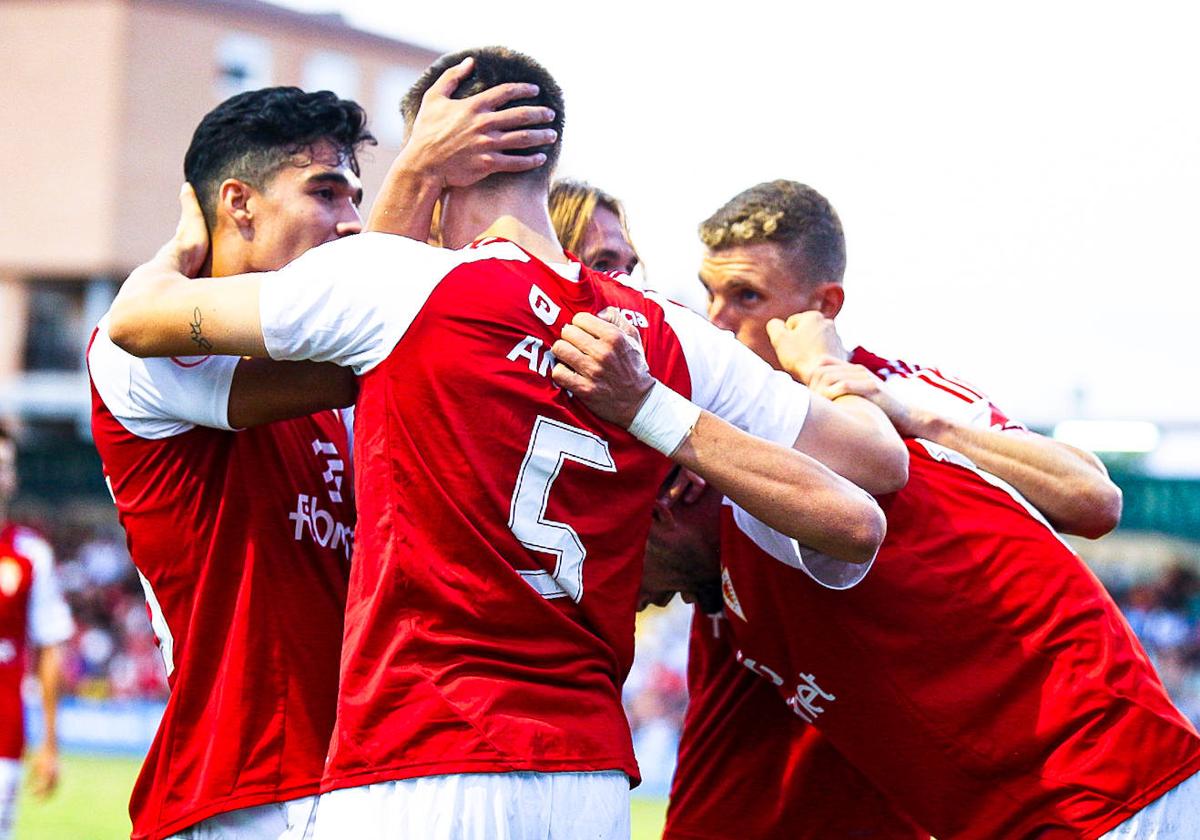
(92, 799)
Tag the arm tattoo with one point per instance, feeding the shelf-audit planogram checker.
(197, 336)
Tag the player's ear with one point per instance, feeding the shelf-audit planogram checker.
(830, 297)
(233, 205)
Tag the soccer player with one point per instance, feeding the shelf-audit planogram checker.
(32, 610)
(232, 476)
(979, 681)
(505, 438)
(591, 224)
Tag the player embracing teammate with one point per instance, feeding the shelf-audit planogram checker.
(515, 414)
(978, 682)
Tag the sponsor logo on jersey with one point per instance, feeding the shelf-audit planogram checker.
(334, 467)
(731, 598)
(313, 523)
(634, 317)
(545, 309)
(805, 698)
(11, 575)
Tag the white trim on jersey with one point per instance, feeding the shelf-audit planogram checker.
(158, 623)
(351, 301)
(829, 572)
(730, 381)
(10, 784)
(155, 399)
(50, 621)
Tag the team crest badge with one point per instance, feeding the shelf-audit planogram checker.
(10, 576)
(731, 598)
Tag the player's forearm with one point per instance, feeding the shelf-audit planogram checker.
(1070, 487)
(264, 391)
(854, 438)
(785, 489)
(49, 670)
(161, 312)
(406, 202)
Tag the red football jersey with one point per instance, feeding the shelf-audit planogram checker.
(242, 540)
(31, 609)
(491, 608)
(979, 676)
(749, 768)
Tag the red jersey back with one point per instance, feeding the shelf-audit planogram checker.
(490, 614)
(749, 768)
(242, 541)
(979, 675)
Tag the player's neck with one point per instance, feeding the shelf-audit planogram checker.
(516, 212)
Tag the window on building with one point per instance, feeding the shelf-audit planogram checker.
(386, 121)
(243, 63)
(331, 71)
(56, 333)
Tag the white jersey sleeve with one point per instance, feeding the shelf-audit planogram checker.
(825, 570)
(49, 616)
(350, 301)
(733, 383)
(161, 398)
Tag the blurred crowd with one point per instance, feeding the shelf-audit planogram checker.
(113, 653)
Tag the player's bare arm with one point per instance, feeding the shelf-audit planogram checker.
(43, 767)
(454, 143)
(603, 366)
(1069, 486)
(162, 311)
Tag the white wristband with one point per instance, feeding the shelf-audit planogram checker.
(664, 420)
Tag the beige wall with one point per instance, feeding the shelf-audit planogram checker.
(172, 82)
(105, 95)
(60, 81)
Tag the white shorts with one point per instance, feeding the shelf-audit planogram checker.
(291, 820)
(10, 782)
(1173, 816)
(481, 806)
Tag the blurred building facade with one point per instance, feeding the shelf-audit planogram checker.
(101, 100)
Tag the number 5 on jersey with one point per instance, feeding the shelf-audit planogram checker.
(550, 444)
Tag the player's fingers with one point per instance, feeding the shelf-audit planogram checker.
(585, 341)
(565, 378)
(576, 359)
(449, 81)
(191, 217)
(799, 318)
(519, 117)
(776, 330)
(526, 138)
(614, 317)
(695, 487)
(595, 326)
(500, 95)
(501, 162)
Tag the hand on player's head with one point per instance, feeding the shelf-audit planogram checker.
(187, 250)
(462, 141)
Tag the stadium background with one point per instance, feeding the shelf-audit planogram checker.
(1086, 284)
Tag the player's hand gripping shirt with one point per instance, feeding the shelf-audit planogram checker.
(32, 609)
(242, 540)
(490, 616)
(980, 676)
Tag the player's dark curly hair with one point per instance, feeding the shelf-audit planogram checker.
(497, 66)
(790, 214)
(252, 135)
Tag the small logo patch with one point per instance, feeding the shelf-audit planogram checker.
(731, 598)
